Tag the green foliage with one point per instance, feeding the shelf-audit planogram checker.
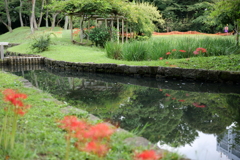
(41, 43)
(99, 35)
(113, 50)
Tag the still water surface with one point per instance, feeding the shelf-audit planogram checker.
(199, 120)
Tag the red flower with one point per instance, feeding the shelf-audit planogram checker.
(181, 100)
(182, 50)
(147, 155)
(160, 90)
(99, 131)
(195, 52)
(173, 98)
(71, 123)
(15, 99)
(168, 95)
(96, 148)
(167, 62)
(201, 49)
(174, 50)
(161, 58)
(168, 53)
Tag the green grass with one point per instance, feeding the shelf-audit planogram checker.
(62, 49)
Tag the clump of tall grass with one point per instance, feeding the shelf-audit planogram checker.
(176, 47)
(113, 50)
(135, 51)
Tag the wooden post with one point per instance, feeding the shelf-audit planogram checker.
(2, 49)
(81, 29)
(126, 31)
(122, 30)
(71, 26)
(112, 29)
(118, 30)
(106, 22)
(88, 29)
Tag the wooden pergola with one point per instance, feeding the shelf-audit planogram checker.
(111, 18)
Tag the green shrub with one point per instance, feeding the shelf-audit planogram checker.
(100, 35)
(142, 38)
(41, 43)
(113, 50)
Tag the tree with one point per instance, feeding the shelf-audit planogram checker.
(8, 24)
(228, 12)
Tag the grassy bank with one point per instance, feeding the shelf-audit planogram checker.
(62, 49)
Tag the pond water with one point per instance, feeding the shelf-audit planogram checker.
(200, 120)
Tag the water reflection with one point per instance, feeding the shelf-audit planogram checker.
(175, 113)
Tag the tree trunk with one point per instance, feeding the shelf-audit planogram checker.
(20, 14)
(66, 24)
(54, 15)
(47, 19)
(32, 21)
(41, 14)
(9, 24)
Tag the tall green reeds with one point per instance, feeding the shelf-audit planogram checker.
(174, 47)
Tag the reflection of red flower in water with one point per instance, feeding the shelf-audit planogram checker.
(168, 95)
(181, 100)
(198, 105)
(147, 155)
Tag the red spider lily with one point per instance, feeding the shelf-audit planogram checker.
(173, 98)
(168, 53)
(160, 90)
(168, 95)
(196, 52)
(174, 50)
(147, 155)
(182, 51)
(201, 49)
(99, 131)
(198, 105)
(181, 100)
(71, 123)
(161, 58)
(14, 97)
(96, 148)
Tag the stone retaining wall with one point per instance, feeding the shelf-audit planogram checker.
(136, 71)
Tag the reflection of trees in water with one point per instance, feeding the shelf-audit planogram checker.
(170, 121)
(146, 107)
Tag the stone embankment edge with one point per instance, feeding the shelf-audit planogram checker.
(157, 72)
